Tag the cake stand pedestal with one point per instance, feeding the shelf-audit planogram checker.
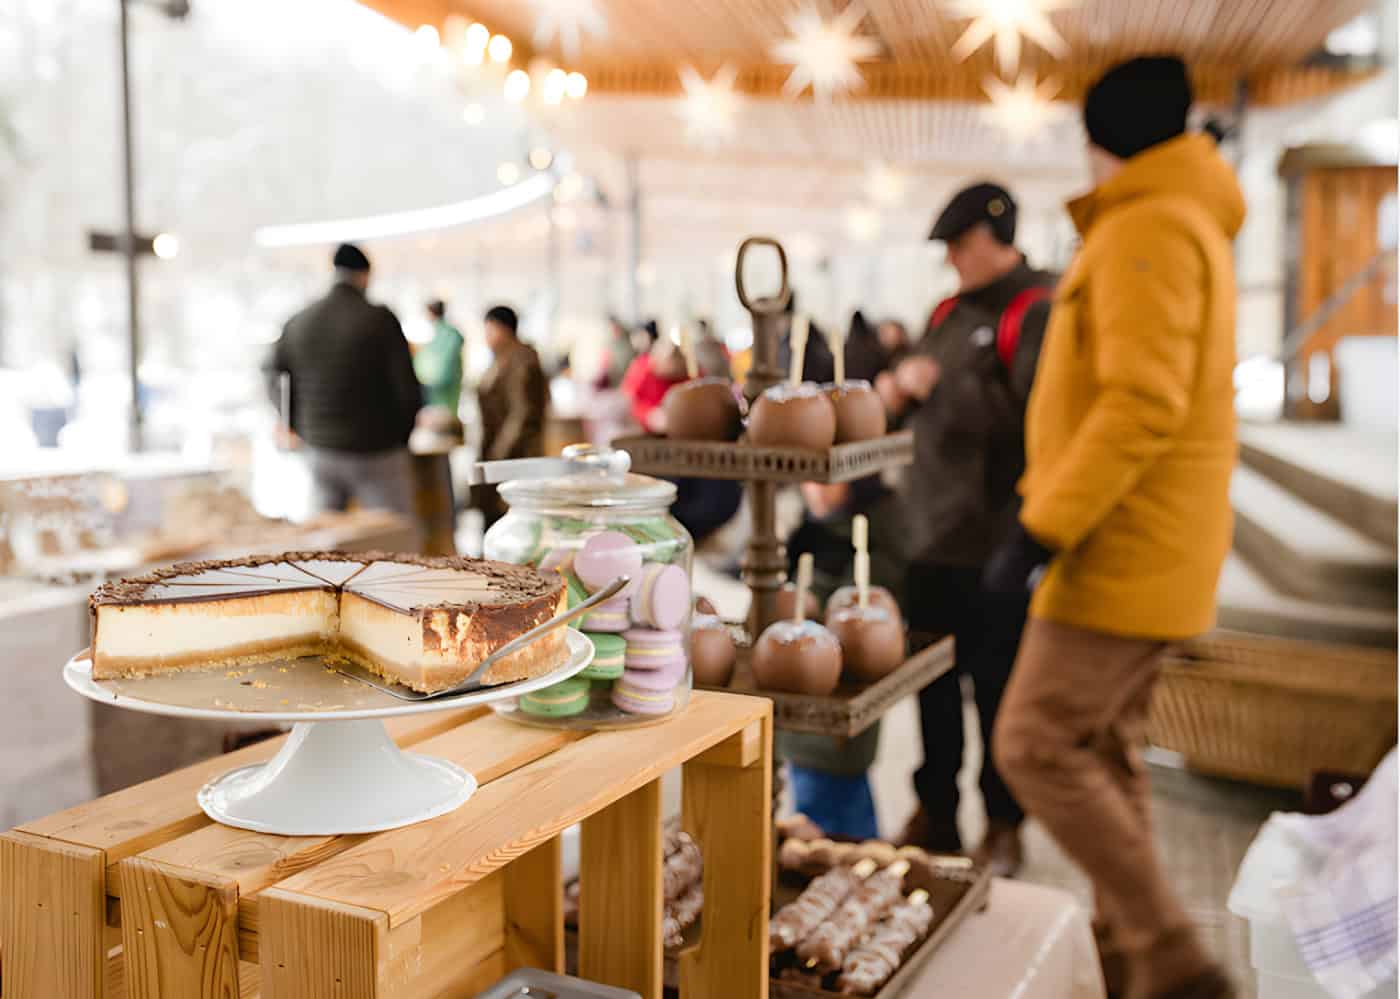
(338, 772)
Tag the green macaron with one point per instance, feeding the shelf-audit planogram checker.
(567, 697)
(609, 657)
(578, 593)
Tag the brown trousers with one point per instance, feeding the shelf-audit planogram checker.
(1067, 741)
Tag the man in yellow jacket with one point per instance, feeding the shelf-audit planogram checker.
(1125, 523)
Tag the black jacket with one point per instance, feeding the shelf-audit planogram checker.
(969, 434)
(353, 387)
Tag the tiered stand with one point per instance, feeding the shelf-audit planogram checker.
(854, 707)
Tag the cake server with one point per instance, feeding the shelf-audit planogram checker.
(575, 459)
(357, 672)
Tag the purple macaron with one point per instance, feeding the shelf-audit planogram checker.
(606, 556)
(663, 678)
(610, 617)
(647, 649)
(637, 701)
(662, 599)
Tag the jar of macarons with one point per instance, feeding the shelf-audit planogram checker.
(592, 528)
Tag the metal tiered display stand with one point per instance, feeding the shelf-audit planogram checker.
(854, 707)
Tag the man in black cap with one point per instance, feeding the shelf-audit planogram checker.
(963, 391)
(354, 396)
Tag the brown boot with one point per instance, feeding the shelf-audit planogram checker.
(1000, 851)
(1210, 984)
(935, 837)
(1176, 966)
(1111, 962)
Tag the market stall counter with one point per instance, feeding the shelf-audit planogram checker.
(139, 893)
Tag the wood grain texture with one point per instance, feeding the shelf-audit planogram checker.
(51, 918)
(406, 871)
(729, 812)
(179, 934)
(136, 818)
(320, 950)
(740, 750)
(535, 909)
(454, 940)
(620, 893)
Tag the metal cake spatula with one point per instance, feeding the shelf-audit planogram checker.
(473, 682)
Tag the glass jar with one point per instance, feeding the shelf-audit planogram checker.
(591, 527)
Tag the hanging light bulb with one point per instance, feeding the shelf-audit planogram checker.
(517, 86)
(478, 36)
(427, 36)
(508, 173)
(569, 21)
(541, 158)
(709, 105)
(824, 53)
(576, 85)
(165, 246)
(500, 48)
(1022, 108)
(1003, 22)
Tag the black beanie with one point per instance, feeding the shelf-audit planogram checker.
(349, 257)
(1137, 104)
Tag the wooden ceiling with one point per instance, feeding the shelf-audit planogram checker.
(1261, 41)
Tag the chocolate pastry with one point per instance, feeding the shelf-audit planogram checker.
(796, 920)
(857, 913)
(879, 955)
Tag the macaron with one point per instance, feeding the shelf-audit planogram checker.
(604, 557)
(560, 700)
(577, 593)
(609, 653)
(612, 616)
(637, 701)
(662, 678)
(663, 597)
(647, 649)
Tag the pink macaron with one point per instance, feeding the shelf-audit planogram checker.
(637, 701)
(647, 649)
(606, 556)
(662, 598)
(610, 617)
(664, 677)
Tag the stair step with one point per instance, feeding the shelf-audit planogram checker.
(1348, 472)
(1246, 602)
(1305, 551)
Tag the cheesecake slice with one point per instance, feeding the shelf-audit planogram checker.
(423, 622)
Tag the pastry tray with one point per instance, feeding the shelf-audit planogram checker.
(854, 707)
(747, 462)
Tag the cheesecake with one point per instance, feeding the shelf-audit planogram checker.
(423, 622)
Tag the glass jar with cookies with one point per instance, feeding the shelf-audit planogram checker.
(591, 527)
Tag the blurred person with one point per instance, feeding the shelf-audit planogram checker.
(618, 354)
(438, 363)
(354, 396)
(711, 355)
(648, 379)
(817, 363)
(962, 389)
(513, 396)
(1126, 519)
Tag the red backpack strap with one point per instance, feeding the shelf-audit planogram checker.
(941, 312)
(1009, 326)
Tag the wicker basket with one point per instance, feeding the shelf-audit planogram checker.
(1273, 711)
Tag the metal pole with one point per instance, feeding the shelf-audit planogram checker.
(133, 318)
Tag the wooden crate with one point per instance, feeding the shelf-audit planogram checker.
(746, 462)
(854, 707)
(139, 894)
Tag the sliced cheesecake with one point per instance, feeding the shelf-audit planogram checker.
(424, 622)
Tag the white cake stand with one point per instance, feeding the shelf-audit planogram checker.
(338, 772)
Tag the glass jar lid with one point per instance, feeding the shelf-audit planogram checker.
(596, 485)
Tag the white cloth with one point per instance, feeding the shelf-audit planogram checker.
(1031, 942)
(1333, 879)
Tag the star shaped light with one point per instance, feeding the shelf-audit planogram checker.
(1003, 22)
(1024, 107)
(709, 105)
(824, 53)
(567, 20)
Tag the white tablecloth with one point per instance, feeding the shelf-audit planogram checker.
(1030, 942)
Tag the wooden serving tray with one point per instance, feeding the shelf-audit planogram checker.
(955, 895)
(747, 462)
(855, 706)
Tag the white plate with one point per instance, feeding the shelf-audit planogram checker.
(306, 683)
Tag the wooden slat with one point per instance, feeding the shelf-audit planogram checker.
(405, 871)
(620, 897)
(729, 812)
(456, 939)
(741, 750)
(179, 935)
(535, 909)
(141, 816)
(320, 949)
(51, 918)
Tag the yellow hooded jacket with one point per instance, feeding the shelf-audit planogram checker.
(1130, 427)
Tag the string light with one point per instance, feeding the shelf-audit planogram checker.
(1003, 22)
(500, 48)
(517, 86)
(427, 36)
(478, 36)
(576, 85)
(165, 246)
(1022, 108)
(556, 82)
(824, 53)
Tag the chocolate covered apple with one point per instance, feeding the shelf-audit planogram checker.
(872, 640)
(860, 413)
(799, 657)
(793, 416)
(712, 651)
(705, 409)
